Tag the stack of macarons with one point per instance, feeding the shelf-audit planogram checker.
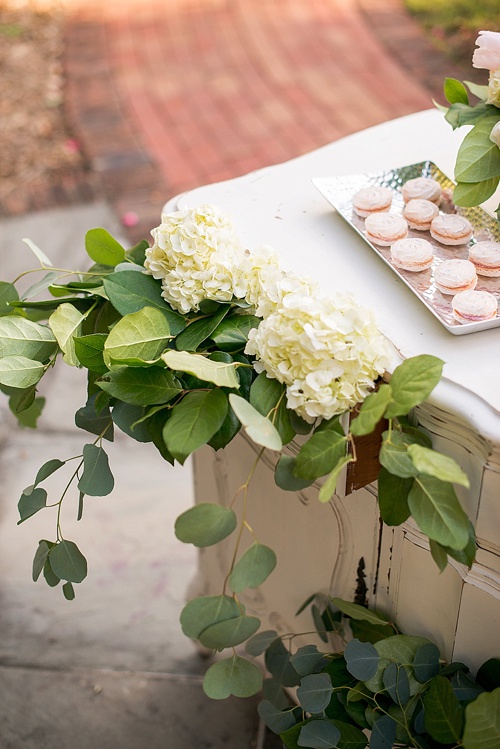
(454, 277)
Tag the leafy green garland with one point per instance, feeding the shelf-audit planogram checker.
(181, 381)
(394, 685)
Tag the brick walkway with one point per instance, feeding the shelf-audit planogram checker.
(169, 94)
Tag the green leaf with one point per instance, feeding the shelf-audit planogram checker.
(31, 502)
(307, 659)
(285, 478)
(258, 427)
(141, 335)
(200, 330)
(232, 333)
(469, 194)
(383, 733)
(400, 649)
(68, 562)
(50, 576)
(394, 455)
(229, 633)
(90, 420)
(482, 92)
(438, 554)
(328, 489)
(278, 663)
(478, 157)
(464, 688)
(41, 256)
(396, 683)
(257, 644)
(22, 337)
(203, 612)
(393, 497)
(40, 558)
(362, 659)
(276, 720)
(20, 400)
(142, 387)
(205, 524)
(426, 662)
(20, 372)
(320, 454)
(350, 736)
(267, 396)
(130, 420)
(444, 717)
(40, 285)
(103, 248)
(194, 421)
(137, 253)
(68, 591)
(482, 722)
(432, 463)
(455, 91)
(461, 114)
(220, 373)
(235, 676)
(89, 352)
(355, 611)
(28, 416)
(8, 294)
(97, 479)
(367, 632)
(131, 292)
(488, 675)
(48, 468)
(371, 411)
(437, 512)
(229, 429)
(66, 323)
(412, 382)
(315, 692)
(319, 734)
(253, 567)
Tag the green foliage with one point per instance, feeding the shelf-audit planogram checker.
(21, 337)
(194, 421)
(97, 479)
(221, 374)
(455, 91)
(66, 322)
(232, 676)
(103, 248)
(205, 524)
(259, 428)
(253, 567)
(131, 292)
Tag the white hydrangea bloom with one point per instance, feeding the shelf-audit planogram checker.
(197, 256)
(328, 352)
(494, 88)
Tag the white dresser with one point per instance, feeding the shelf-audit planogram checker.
(320, 547)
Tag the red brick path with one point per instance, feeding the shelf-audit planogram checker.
(169, 94)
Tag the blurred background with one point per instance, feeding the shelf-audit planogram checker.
(137, 100)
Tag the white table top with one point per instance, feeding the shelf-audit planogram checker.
(280, 206)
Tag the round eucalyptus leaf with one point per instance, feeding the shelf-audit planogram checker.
(307, 659)
(253, 567)
(68, 562)
(201, 613)
(233, 675)
(383, 733)
(257, 644)
(319, 734)
(205, 524)
(31, 503)
(229, 633)
(278, 721)
(286, 479)
(426, 662)
(362, 659)
(315, 692)
(396, 683)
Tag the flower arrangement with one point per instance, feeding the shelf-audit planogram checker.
(477, 169)
(186, 342)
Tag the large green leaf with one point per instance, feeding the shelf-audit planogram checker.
(412, 382)
(31, 502)
(396, 683)
(285, 478)
(130, 419)
(229, 633)
(307, 660)
(99, 423)
(97, 479)
(470, 194)
(455, 91)
(142, 386)
(232, 333)
(437, 512)
(355, 611)
(319, 734)
(444, 717)
(88, 350)
(328, 489)
(276, 720)
(321, 453)
(8, 294)
(66, 322)
(48, 468)
(393, 497)
(68, 562)
(22, 337)
(267, 395)
(205, 524)
(130, 292)
(103, 248)
(258, 427)
(259, 643)
(362, 659)
(442, 467)
(426, 662)
(400, 649)
(478, 157)
(253, 567)
(140, 335)
(220, 373)
(194, 421)
(350, 736)
(394, 455)
(371, 411)
(20, 372)
(203, 612)
(482, 722)
(315, 692)
(200, 330)
(232, 676)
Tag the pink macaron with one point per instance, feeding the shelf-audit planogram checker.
(412, 254)
(385, 228)
(486, 257)
(474, 306)
(453, 276)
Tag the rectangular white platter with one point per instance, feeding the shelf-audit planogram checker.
(339, 192)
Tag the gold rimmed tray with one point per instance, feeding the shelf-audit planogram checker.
(339, 192)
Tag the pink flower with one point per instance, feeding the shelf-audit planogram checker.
(488, 53)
